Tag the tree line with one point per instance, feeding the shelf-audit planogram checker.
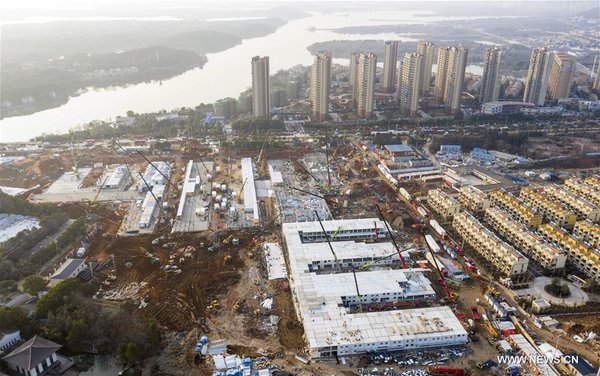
(66, 316)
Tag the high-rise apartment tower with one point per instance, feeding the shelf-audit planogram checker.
(320, 84)
(260, 87)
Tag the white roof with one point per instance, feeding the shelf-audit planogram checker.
(275, 262)
(372, 283)
(67, 269)
(326, 322)
(148, 208)
(309, 252)
(276, 176)
(116, 177)
(529, 350)
(250, 203)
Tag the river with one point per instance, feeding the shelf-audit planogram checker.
(227, 73)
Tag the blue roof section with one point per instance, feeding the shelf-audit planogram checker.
(583, 366)
(480, 151)
(396, 148)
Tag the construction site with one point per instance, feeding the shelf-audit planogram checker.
(306, 258)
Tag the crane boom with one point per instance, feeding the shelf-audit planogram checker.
(358, 296)
(337, 262)
(151, 164)
(308, 171)
(307, 192)
(392, 236)
(99, 190)
(242, 190)
(262, 149)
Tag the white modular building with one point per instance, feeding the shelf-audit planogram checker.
(154, 175)
(250, 201)
(149, 208)
(326, 302)
(114, 179)
(189, 186)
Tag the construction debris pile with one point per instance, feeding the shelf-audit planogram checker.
(128, 292)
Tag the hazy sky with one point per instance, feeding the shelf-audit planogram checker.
(40, 4)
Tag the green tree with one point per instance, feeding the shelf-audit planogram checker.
(57, 297)
(128, 352)
(154, 334)
(13, 318)
(77, 334)
(8, 286)
(121, 351)
(33, 284)
(131, 353)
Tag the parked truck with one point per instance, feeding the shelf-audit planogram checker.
(433, 245)
(438, 228)
(404, 193)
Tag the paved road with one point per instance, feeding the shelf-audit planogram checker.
(565, 343)
(578, 296)
(50, 238)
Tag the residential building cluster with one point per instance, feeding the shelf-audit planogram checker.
(588, 188)
(519, 236)
(553, 211)
(473, 199)
(588, 232)
(525, 214)
(408, 78)
(507, 259)
(582, 207)
(444, 204)
(584, 258)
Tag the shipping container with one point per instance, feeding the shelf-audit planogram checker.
(433, 245)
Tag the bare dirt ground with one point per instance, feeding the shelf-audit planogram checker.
(546, 147)
(34, 170)
(215, 293)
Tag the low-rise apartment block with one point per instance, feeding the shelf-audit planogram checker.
(593, 180)
(515, 207)
(507, 259)
(553, 211)
(442, 203)
(585, 188)
(533, 245)
(588, 232)
(586, 260)
(473, 199)
(582, 207)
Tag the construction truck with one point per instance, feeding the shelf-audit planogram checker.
(442, 371)
(490, 328)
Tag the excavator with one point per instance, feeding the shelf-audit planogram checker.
(227, 240)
